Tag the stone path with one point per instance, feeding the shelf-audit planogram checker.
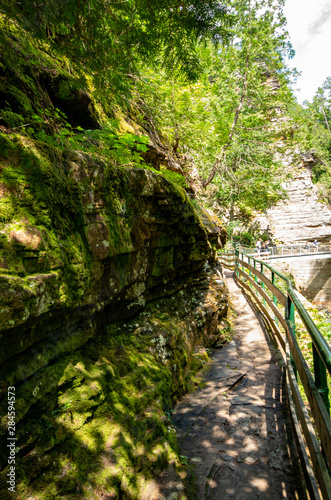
(235, 430)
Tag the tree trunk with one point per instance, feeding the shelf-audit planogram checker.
(233, 126)
(231, 209)
(176, 142)
(325, 118)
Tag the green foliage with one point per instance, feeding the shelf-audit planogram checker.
(107, 144)
(174, 177)
(119, 36)
(200, 117)
(230, 115)
(245, 237)
(185, 460)
(231, 227)
(12, 119)
(323, 322)
(312, 132)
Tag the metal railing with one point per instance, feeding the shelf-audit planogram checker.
(227, 259)
(288, 250)
(280, 307)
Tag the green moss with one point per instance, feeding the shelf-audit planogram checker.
(95, 418)
(40, 197)
(91, 403)
(32, 75)
(163, 261)
(174, 177)
(120, 432)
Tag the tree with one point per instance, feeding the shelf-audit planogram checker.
(313, 123)
(321, 105)
(231, 121)
(113, 39)
(313, 133)
(255, 58)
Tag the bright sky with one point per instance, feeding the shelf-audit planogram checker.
(309, 26)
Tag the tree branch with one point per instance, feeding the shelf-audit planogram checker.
(233, 126)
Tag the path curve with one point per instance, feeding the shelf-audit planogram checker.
(235, 430)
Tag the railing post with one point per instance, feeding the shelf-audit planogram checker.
(236, 265)
(255, 277)
(250, 272)
(290, 313)
(321, 378)
(290, 317)
(274, 298)
(262, 284)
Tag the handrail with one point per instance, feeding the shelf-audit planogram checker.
(289, 250)
(254, 280)
(316, 336)
(227, 259)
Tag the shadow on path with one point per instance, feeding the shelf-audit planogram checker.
(235, 430)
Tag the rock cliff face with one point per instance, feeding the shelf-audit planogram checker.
(312, 278)
(302, 217)
(109, 295)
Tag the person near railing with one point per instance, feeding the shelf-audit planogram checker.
(258, 246)
(315, 245)
(265, 254)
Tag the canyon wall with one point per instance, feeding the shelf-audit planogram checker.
(109, 297)
(301, 217)
(312, 277)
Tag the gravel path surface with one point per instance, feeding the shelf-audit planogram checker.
(236, 430)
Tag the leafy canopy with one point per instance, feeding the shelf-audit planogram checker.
(230, 122)
(114, 38)
(312, 132)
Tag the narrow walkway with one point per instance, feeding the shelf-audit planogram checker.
(235, 430)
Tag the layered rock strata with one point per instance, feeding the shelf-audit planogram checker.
(312, 278)
(301, 217)
(109, 296)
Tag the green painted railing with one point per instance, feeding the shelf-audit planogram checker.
(280, 308)
(289, 250)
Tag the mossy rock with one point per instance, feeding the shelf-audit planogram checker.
(95, 418)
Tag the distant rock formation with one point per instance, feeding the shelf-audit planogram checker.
(302, 217)
(312, 278)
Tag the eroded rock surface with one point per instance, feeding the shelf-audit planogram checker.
(109, 296)
(312, 277)
(302, 217)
